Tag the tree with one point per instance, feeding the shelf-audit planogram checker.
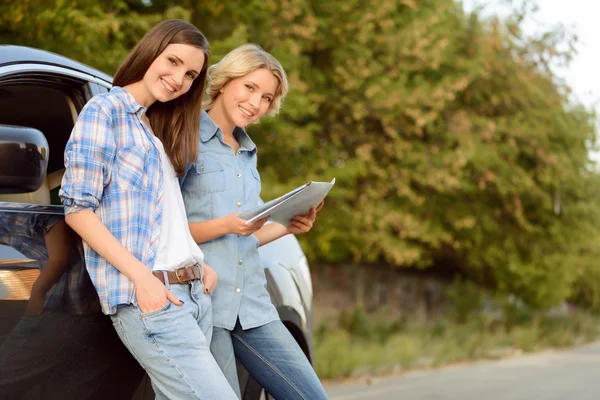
(454, 145)
(98, 33)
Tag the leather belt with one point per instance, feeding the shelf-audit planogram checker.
(180, 275)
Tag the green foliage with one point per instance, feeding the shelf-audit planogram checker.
(358, 324)
(587, 287)
(340, 353)
(453, 144)
(465, 300)
(98, 33)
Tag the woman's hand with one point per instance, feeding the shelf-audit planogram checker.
(238, 226)
(304, 223)
(210, 279)
(152, 294)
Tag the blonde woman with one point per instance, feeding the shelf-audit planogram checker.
(247, 84)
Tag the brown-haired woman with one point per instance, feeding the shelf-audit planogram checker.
(122, 197)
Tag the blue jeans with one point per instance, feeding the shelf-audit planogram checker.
(272, 356)
(173, 345)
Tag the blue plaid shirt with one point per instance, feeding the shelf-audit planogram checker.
(113, 167)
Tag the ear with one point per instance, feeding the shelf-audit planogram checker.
(222, 90)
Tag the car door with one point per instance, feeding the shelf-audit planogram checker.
(54, 341)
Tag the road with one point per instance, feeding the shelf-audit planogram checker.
(551, 375)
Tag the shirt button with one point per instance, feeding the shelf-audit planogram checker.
(239, 175)
(238, 290)
(239, 203)
(240, 262)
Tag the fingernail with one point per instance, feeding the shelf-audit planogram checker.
(182, 301)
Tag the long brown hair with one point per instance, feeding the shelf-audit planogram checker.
(175, 122)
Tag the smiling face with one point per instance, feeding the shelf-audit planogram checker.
(172, 73)
(244, 100)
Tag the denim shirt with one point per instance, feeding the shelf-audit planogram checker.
(220, 183)
(113, 168)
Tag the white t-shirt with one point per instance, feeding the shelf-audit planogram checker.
(176, 247)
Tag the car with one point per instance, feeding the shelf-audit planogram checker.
(54, 341)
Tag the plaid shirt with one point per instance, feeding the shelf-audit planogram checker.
(113, 168)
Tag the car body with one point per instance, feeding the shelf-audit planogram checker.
(54, 341)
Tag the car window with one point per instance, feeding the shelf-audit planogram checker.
(51, 105)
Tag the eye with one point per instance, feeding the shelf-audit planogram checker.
(190, 75)
(250, 88)
(267, 99)
(173, 61)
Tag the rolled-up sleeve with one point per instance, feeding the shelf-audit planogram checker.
(89, 156)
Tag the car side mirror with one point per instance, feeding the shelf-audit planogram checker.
(23, 159)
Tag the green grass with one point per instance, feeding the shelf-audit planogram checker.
(372, 345)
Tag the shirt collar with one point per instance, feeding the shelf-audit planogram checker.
(208, 129)
(127, 99)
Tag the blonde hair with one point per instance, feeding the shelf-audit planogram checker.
(242, 61)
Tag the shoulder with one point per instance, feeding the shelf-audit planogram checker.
(105, 105)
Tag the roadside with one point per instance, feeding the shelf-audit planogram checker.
(361, 345)
(548, 375)
(378, 322)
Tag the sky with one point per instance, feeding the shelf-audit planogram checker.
(577, 16)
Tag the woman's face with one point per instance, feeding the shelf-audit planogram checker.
(246, 99)
(173, 72)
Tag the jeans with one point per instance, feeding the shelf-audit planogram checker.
(272, 356)
(173, 345)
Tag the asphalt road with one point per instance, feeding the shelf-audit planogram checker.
(552, 375)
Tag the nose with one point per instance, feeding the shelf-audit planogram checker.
(178, 78)
(255, 100)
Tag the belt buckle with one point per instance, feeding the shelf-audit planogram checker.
(177, 276)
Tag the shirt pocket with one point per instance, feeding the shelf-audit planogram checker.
(131, 165)
(211, 176)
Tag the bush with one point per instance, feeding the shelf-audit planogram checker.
(339, 353)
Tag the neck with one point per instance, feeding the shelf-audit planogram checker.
(141, 95)
(222, 122)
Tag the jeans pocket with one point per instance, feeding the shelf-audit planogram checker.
(157, 311)
(205, 303)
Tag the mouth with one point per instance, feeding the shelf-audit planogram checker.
(246, 112)
(169, 88)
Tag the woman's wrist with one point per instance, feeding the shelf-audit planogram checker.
(140, 275)
(226, 226)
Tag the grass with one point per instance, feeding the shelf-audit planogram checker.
(359, 344)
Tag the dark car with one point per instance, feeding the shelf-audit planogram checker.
(54, 341)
